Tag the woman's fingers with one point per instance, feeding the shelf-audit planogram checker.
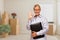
(30, 15)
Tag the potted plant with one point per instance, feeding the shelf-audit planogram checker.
(4, 30)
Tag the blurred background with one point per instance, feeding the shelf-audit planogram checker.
(49, 8)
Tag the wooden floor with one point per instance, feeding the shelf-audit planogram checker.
(27, 37)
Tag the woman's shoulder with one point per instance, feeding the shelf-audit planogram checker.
(43, 17)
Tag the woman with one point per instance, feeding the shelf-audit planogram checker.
(36, 19)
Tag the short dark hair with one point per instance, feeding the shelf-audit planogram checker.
(36, 6)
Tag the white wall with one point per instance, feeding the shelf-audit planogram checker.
(22, 7)
(58, 17)
(1, 6)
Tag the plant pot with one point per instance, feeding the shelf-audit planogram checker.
(4, 34)
(13, 17)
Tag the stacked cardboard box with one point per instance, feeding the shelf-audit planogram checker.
(14, 23)
(5, 18)
(50, 30)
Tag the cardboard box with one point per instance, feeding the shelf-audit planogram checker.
(14, 26)
(5, 18)
(50, 31)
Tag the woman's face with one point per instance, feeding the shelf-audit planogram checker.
(37, 10)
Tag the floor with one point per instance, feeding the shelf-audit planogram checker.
(27, 37)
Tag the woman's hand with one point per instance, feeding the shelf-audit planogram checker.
(30, 16)
(34, 34)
